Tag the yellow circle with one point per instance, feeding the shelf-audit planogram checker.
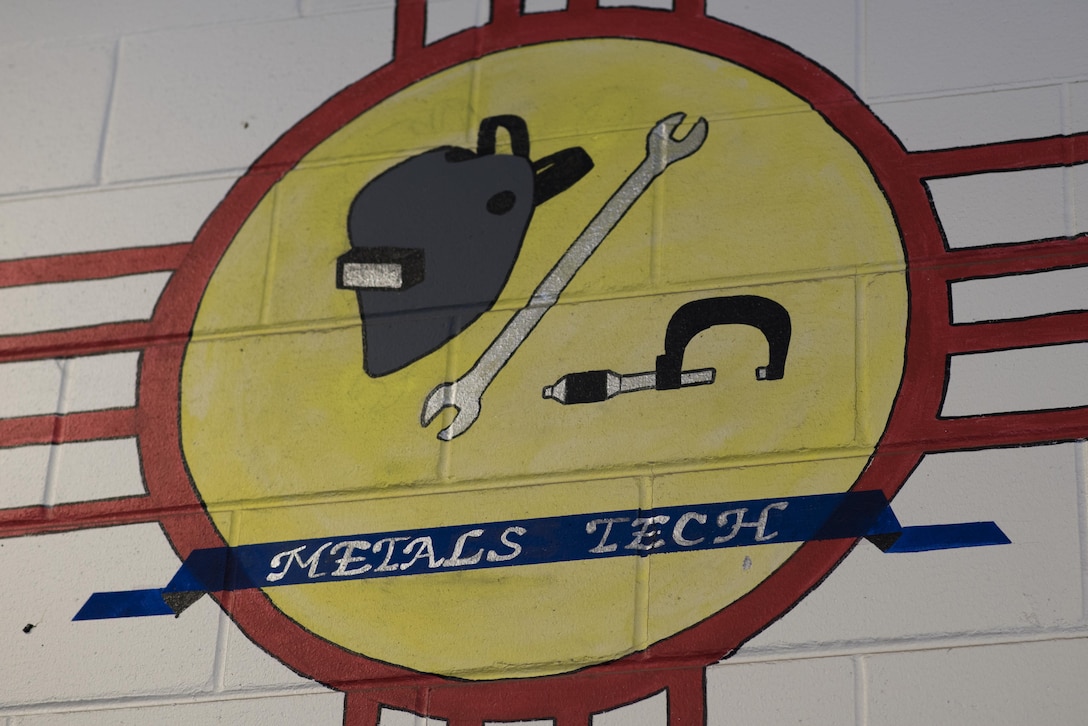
(287, 438)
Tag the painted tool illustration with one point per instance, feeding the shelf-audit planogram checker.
(690, 319)
(465, 394)
(434, 238)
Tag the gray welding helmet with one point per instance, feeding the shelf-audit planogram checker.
(434, 239)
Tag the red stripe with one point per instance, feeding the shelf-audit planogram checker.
(116, 423)
(1006, 156)
(995, 430)
(23, 521)
(92, 265)
(411, 28)
(1006, 334)
(133, 335)
(1014, 258)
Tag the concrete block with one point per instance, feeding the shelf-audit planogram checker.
(1077, 177)
(55, 101)
(23, 472)
(996, 208)
(652, 711)
(88, 470)
(1022, 379)
(248, 668)
(396, 717)
(825, 32)
(1020, 296)
(656, 4)
(998, 685)
(967, 119)
(92, 383)
(874, 600)
(61, 305)
(98, 382)
(1078, 107)
(543, 6)
(214, 98)
(26, 22)
(935, 45)
(446, 17)
(75, 472)
(58, 660)
(269, 710)
(107, 219)
(30, 388)
(815, 691)
(317, 7)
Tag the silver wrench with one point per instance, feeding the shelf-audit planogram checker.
(465, 393)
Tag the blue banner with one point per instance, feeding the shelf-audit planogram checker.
(624, 533)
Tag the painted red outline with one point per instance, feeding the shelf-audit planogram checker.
(678, 663)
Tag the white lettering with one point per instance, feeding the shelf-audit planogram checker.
(591, 527)
(456, 560)
(678, 530)
(425, 549)
(646, 533)
(293, 556)
(760, 524)
(515, 548)
(391, 543)
(349, 548)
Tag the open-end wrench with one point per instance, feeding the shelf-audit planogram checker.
(465, 393)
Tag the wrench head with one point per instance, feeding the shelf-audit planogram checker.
(663, 148)
(445, 395)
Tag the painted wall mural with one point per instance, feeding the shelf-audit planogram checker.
(599, 377)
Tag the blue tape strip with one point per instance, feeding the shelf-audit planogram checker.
(948, 536)
(130, 604)
(567, 538)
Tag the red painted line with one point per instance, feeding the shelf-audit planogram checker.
(411, 28)
(1005, 156)
(996, 430)
(504, 12)
(115, 423)
(1021, 333)
(1012, 259)
(24, 521)
(105, 338)
(92, 265)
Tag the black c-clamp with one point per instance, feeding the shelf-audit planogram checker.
(689, 320)
(694, 317)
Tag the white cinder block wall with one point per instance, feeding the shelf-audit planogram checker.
(124, 122)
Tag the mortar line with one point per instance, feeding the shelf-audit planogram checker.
(1082, 523)
(222, 640)
(1070, 177)
(657, 230)
(860, 49)
(908, 644)
(973, 90)
(270, 259)
(122, 185)
(474, 92)
(111, 100)
(642, 572)
(861, 690)
(137, 702)
(861, 387)
(483, 13)
(49, 491)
